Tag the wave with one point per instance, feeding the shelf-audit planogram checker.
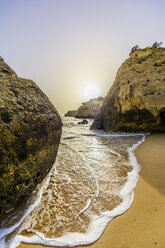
(5, 231)
(102, 133)
(98, 223)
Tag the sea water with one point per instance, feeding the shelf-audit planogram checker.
(91, 182)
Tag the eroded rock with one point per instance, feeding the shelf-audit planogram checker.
(90, 109)
(71, 113)
(30, 130)
(83, 122)
(136, 100)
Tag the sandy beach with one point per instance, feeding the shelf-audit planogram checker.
(143, 225)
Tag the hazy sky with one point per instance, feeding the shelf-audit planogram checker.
(65, 45)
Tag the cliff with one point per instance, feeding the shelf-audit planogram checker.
(71, 113)
(30, 130)
(136, 100)
(90, 109)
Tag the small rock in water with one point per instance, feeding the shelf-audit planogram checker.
(83, 122)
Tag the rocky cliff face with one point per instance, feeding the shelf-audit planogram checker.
(71, 113)
(136, 100)
(90, 109)
(30, 130)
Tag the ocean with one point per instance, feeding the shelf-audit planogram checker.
(91, 182)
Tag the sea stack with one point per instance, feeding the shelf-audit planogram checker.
(90, 109)
(71, 113)
(136, 100)
(30, 131)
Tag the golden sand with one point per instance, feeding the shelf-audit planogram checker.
(143, 225)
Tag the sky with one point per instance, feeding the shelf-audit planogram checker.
(68, 46)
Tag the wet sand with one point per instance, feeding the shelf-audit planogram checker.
(143, 225)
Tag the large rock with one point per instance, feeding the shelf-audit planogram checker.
(30, 130)
(71, 113)
(136, 100)
(90, 109)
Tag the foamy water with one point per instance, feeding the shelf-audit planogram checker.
(91, 182)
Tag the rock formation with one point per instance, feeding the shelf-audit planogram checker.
(83, 122)
(90, 109)
(71, 113)
(30, 130)
(136, 100)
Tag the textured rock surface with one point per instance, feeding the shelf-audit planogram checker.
(90, 109)
(83, 122)
(30, 130)
(71, 113)
(136, 100)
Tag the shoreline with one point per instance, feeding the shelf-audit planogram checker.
(143, 224)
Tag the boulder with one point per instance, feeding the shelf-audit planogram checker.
(83, 122)
(30, 130)
(136, 100)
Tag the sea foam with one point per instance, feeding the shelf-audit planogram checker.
(98, 223)
(5, 231)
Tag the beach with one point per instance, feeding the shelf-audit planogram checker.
(82, 124)
(143, 224)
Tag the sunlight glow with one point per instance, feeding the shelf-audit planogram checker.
(91, 91)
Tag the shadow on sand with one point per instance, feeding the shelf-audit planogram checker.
(151, 157)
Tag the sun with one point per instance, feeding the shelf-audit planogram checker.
(91, 91)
